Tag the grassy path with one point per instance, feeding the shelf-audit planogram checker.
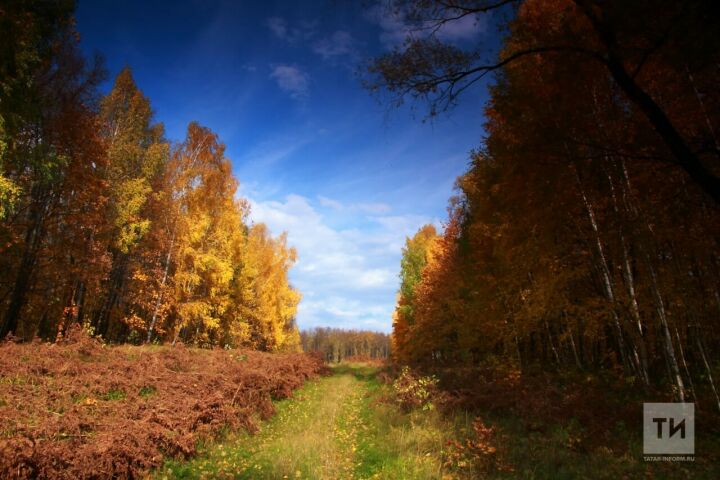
(345, 426)
(336, 427)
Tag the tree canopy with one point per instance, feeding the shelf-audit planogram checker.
(579, 237)
(104, 223)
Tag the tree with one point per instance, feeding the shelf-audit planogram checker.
(47, 146)
(414, 259)
(562, 249)
(209, 220)
(102, 225)
(266, 300)
(336, 344)
(627, 40)
(137, 153)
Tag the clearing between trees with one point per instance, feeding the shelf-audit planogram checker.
(369, 422)
(341, 426)
(80, 409)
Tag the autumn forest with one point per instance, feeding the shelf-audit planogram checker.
(584, 233)
(108, 225)
(150, 324)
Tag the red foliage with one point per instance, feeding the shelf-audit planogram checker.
(78, 409)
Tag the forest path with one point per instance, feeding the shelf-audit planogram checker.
(335, 427)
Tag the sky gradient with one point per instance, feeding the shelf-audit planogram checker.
(347, 176)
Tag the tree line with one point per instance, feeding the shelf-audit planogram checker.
(585, 232)
(336, 344)
(106, 223)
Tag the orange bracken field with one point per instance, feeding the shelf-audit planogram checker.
(79, 409)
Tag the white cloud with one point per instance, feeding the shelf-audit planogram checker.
(394, 29)
(278, 26)
(401, 223)
(351, 274)
(370, 208)
(340, 43)
(376, 208)
(330, 203)
(464, 28)
(291, 80)
(302, 31)
(378, 277)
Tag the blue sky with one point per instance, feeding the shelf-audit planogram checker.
(316, 154)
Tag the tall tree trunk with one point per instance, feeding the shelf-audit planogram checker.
(153, 320)
(33, 240)
(684, 361)
(552, 345)
(698, 341)
(704, 111)
(115, 285)
(604, 270)
(674, 370)
(638, 348)
(563, 315)
(667, 338)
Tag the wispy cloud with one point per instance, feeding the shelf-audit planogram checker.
(339, 44)
(278, 26)
(395, 30)
(330, 203)
(291, 80)
(370, 208)
(281, 28)
(268, 153)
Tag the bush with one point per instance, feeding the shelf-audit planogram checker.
(414, 391)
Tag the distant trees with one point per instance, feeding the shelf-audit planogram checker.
(337, 344)
(579, 238)
(104, 223)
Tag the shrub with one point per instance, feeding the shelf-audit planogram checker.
(414, 391)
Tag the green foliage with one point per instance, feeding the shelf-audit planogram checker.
(414, 258)
(147, 391)
(137, 153)
(9, 195)
(113, 395)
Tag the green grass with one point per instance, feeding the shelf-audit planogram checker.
(147, 391)
(338, 427)
(113, 394)
(347, 426)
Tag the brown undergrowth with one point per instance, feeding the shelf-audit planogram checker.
(543, 399)
(538, 421)
(78, 409)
